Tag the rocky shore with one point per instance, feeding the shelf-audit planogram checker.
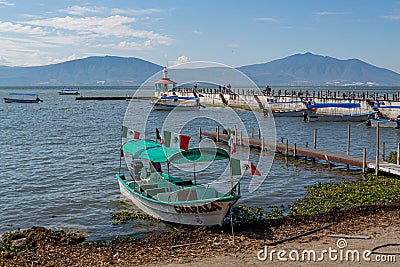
(190, 245)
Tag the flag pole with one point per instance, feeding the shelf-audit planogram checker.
(194, 172)
(230, 161)
(169, 185)
(121, 152)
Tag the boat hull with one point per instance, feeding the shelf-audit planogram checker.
(14, 100)
(383, 123)
(338, 117)
(68, 93)
(170, 107)
(213, 211)
(286, 113)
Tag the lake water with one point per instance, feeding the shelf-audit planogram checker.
(59, 159)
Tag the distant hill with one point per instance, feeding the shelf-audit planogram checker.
(298, 70)
(107, 70)
(309, 69)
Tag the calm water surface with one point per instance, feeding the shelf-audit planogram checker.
(59, 159)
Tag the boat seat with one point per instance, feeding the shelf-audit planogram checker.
(148, 186)
(207, 193)
(167, 197)
(154, 191)
(186, 194)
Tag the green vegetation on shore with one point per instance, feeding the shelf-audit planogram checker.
(371, 190)
(323, 198)
(392, 157)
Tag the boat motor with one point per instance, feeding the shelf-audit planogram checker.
(398, 121)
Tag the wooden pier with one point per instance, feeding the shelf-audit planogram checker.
(295, 151)
(103, 98)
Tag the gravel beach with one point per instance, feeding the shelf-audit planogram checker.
(215, 246)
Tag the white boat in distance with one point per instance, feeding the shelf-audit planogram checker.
(352, 113)
(170, 198)
(179, 103)
(69, 91)
(385, 123)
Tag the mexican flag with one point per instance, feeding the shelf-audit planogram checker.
(231, 142)
(242, 167)
(176, 140)
(136, 135)
(124, 131)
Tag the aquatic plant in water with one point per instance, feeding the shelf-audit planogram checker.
(242, 215)
(124, 216)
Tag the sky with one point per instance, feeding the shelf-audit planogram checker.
(234, 33)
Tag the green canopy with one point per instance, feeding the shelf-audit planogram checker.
(151, 150)
(199, 154)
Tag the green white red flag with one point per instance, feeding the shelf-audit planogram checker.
(176, 140)
(241, 167)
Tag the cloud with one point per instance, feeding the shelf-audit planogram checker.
(147, 45)
(98, 27)
(181, 60)
(391, 17)
(233, 45)
(5, 3)
(82, 10)
(198, 32)
(19, 28)
(329, 13)
(118, 26)
(105, 29)
(268, 19)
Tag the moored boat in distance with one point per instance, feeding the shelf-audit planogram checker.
(296, 108)
(22, 98)
(285, 113)
(170, 198)
(336, 112)
(384, 122)
(69, 91)
(181, 103)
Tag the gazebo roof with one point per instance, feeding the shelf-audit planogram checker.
(165, 81)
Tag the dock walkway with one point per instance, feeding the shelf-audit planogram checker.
(295, 151)
(103, 98)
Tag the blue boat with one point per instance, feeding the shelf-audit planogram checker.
(22, 98)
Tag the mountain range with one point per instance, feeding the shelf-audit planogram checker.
(297, 70)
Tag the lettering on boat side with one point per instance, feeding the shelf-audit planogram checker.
(198, 209)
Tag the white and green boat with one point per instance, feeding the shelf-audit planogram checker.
(174, 199)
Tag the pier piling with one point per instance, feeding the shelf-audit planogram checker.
(330, 157)
(377, 150)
